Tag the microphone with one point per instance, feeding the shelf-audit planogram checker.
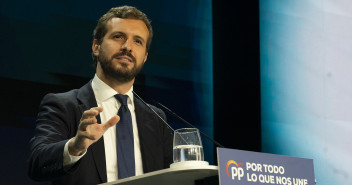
(178, 117)
(187, 123)
(153, 110)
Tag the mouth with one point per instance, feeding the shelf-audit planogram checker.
(125, 58)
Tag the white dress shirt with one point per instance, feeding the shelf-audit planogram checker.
(104, 96)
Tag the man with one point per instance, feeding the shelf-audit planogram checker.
(79, 138)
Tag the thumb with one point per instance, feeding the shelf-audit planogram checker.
(111, 122)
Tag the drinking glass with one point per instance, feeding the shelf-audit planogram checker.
(187, 145)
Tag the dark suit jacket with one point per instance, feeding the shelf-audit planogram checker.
(57, 122)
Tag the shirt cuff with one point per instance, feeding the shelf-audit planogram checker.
(69, 160)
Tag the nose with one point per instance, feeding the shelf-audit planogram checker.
(127, 45)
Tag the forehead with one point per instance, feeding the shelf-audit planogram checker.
(128, 26)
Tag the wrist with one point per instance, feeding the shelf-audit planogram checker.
(73, 149)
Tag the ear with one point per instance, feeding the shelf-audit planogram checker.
(95, 47)
(145, 57)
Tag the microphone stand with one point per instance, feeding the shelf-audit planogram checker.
(146, 104)
(177, 116)
(186, 122)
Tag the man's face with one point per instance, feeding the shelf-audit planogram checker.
(122, 52)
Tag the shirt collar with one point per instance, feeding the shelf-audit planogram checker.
(102, 91)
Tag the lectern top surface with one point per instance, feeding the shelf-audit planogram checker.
(170, 176)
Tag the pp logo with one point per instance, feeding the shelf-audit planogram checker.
(235, 171)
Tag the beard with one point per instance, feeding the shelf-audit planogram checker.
(121, 74)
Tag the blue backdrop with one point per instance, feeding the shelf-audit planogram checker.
(47, 46)
(306, 92)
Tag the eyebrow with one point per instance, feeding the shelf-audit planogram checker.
(139, 37)
(135, 36)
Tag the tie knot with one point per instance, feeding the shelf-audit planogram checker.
(122, 99)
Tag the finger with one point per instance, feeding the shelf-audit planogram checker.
(91, 112)
(91, 136)
(111, 122)
(84, 123)
(99, 109)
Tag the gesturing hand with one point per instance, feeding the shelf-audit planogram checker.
(89, 131)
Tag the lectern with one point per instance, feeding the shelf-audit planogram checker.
(235, 167)
(183, 175)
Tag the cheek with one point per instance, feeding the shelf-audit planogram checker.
(110, 48)
(142, 55)
(145, 58)
(141, 59)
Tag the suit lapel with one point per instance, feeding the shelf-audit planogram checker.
(146, 131)
(87, 99)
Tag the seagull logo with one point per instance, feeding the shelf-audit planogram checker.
(228, 164)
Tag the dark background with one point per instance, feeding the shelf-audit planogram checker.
(236, 74)
(236, 83)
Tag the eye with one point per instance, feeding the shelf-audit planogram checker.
(139, 42)
(118, 36)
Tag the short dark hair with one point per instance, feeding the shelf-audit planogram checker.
(128, 12)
